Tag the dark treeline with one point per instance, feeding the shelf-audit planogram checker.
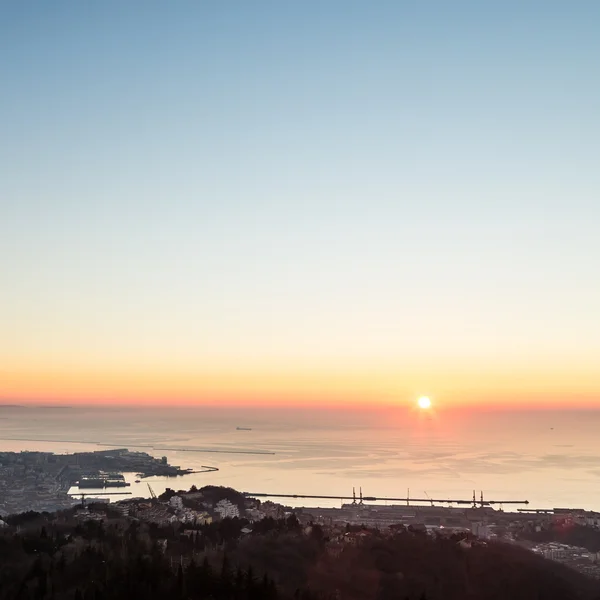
(95, 562)
(57, 557)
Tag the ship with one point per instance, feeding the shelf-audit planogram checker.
(244, 428)
(102, 482)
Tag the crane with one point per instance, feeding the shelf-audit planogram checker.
(429, 498)
(152, 494)
(482, 503)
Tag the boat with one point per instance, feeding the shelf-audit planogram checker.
(244, 428)
(137, 480)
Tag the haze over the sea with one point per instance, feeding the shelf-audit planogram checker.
(320, 203)
(549, 458)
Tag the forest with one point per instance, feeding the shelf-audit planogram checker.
(64, 556)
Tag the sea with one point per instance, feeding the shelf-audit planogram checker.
(548, 457)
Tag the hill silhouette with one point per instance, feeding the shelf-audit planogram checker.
(68, 556)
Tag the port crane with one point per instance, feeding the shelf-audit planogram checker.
(152, 494)
(481, 502)
(429, 498)
(360, 502)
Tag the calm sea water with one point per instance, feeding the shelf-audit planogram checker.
(550, 458)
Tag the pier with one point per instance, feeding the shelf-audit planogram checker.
(407, 500)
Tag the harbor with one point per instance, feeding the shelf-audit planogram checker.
(45, 481)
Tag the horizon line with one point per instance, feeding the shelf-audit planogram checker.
(338, 406)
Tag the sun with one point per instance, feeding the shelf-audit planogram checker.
(424, 403)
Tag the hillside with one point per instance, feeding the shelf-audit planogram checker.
(70, 556)
(573, 535)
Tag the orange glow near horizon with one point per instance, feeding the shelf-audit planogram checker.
(293, 388)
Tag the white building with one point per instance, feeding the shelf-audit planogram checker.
(226, 509)
(122, 509)
(556, 553)
(176, 502)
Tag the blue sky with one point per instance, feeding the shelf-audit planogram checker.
(280, 185)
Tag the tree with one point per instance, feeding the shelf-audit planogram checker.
(317, 532)
(180, 582)
(225, 571)
(42, 587)
(292, 523)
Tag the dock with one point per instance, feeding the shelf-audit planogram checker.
(406, 500)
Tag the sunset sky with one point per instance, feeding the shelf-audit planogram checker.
(300, 202)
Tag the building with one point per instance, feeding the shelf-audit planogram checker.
(226, 509)
(176, 502)
(355, 538)
(481, 530)
(122, 509)
(254, 514)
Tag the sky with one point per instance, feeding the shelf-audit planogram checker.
(300, 202)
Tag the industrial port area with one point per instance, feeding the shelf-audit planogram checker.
(41, 481)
